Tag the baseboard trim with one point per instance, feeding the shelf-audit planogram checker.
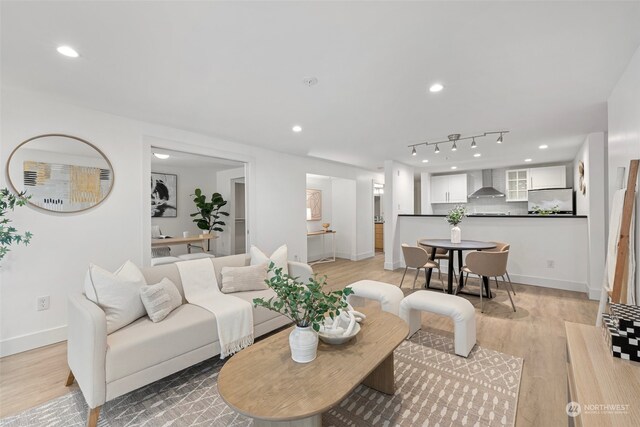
(545, 282)
(30, 341)
(394, 265)
(594, 294)
(365, 255)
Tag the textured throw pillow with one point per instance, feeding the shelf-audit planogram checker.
(118, 294)
(241, 279)
(160, 299)
(278, 257)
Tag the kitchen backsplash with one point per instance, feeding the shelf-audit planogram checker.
(490, 205)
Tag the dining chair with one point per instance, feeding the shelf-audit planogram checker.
(501, 247)
(488, 264)
(440, 253)
(418, 258)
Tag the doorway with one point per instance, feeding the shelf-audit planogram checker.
(179, 227)
(378, 217)
(238, 211)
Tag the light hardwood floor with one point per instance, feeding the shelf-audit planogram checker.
(535, 332)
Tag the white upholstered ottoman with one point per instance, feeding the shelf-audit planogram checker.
(459, 309)
(388, 295)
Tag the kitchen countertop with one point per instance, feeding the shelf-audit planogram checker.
(500, 216)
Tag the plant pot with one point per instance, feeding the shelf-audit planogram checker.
(456, 234)
(304, 344)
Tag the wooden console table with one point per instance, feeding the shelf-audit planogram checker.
(333, 245)
(182, 241)
(606, 388)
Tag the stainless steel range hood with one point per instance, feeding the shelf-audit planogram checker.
(487, 190)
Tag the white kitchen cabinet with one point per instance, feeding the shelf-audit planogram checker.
(547, 177)
(449, 188)
(517, 185)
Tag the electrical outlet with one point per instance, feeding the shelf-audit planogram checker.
(551, 263)
(43, 303)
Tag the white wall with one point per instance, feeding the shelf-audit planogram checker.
(343, 196)
(534, 242)
(189, 178)
(339, 209)
(314, 243)
(593, 204)
(399, 197)
(624, 136)
(364, 213)
(63, 245)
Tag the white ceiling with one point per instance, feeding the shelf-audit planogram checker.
(543, 70)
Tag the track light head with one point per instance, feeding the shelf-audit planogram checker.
(437, 149)
(413, 151)
(473, 143)
(499, 140)
(454, 147)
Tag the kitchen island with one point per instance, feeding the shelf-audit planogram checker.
(550, 251)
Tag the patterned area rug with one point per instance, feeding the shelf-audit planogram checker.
(434, 387)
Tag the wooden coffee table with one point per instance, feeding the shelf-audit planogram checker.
(264, 383)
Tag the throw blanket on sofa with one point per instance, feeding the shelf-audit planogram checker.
(234, 316)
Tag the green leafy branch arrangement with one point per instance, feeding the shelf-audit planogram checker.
(9, 235)
(304, 303)
(456, 215)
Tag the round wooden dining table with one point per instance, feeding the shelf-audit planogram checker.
(464, 245)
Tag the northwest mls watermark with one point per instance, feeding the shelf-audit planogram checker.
(574, 409)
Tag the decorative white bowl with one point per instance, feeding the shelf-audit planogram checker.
(339, 339)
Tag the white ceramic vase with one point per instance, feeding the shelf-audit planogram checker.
(456, 234)
(304, 344)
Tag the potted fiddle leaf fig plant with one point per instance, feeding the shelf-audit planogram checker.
(454, 217)
(306, 304)
(9, 235)
(208, 216)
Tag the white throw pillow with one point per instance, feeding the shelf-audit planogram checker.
(118, 294)
(160, 299)
(279, 257)
(242, 279)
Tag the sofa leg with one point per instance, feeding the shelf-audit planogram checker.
(70, 379)
(92, 419)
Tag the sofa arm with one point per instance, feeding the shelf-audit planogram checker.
(87, 348)
(302, 271)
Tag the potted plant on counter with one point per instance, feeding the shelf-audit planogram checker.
(454, 217)
(208, 216)
(306, 305)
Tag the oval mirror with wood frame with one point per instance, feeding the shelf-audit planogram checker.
(61, 173)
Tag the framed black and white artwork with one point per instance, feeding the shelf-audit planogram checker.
(164, 195)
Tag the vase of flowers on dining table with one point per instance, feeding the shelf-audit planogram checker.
(454, 217)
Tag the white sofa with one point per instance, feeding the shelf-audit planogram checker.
(108, 366)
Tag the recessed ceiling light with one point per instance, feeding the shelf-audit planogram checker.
(425, 161)
(436, 87)
(297, 128)
(477, 155)
(543, 147)
(454, 167)
(67, 51)
(161, 156)
(527, 160)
